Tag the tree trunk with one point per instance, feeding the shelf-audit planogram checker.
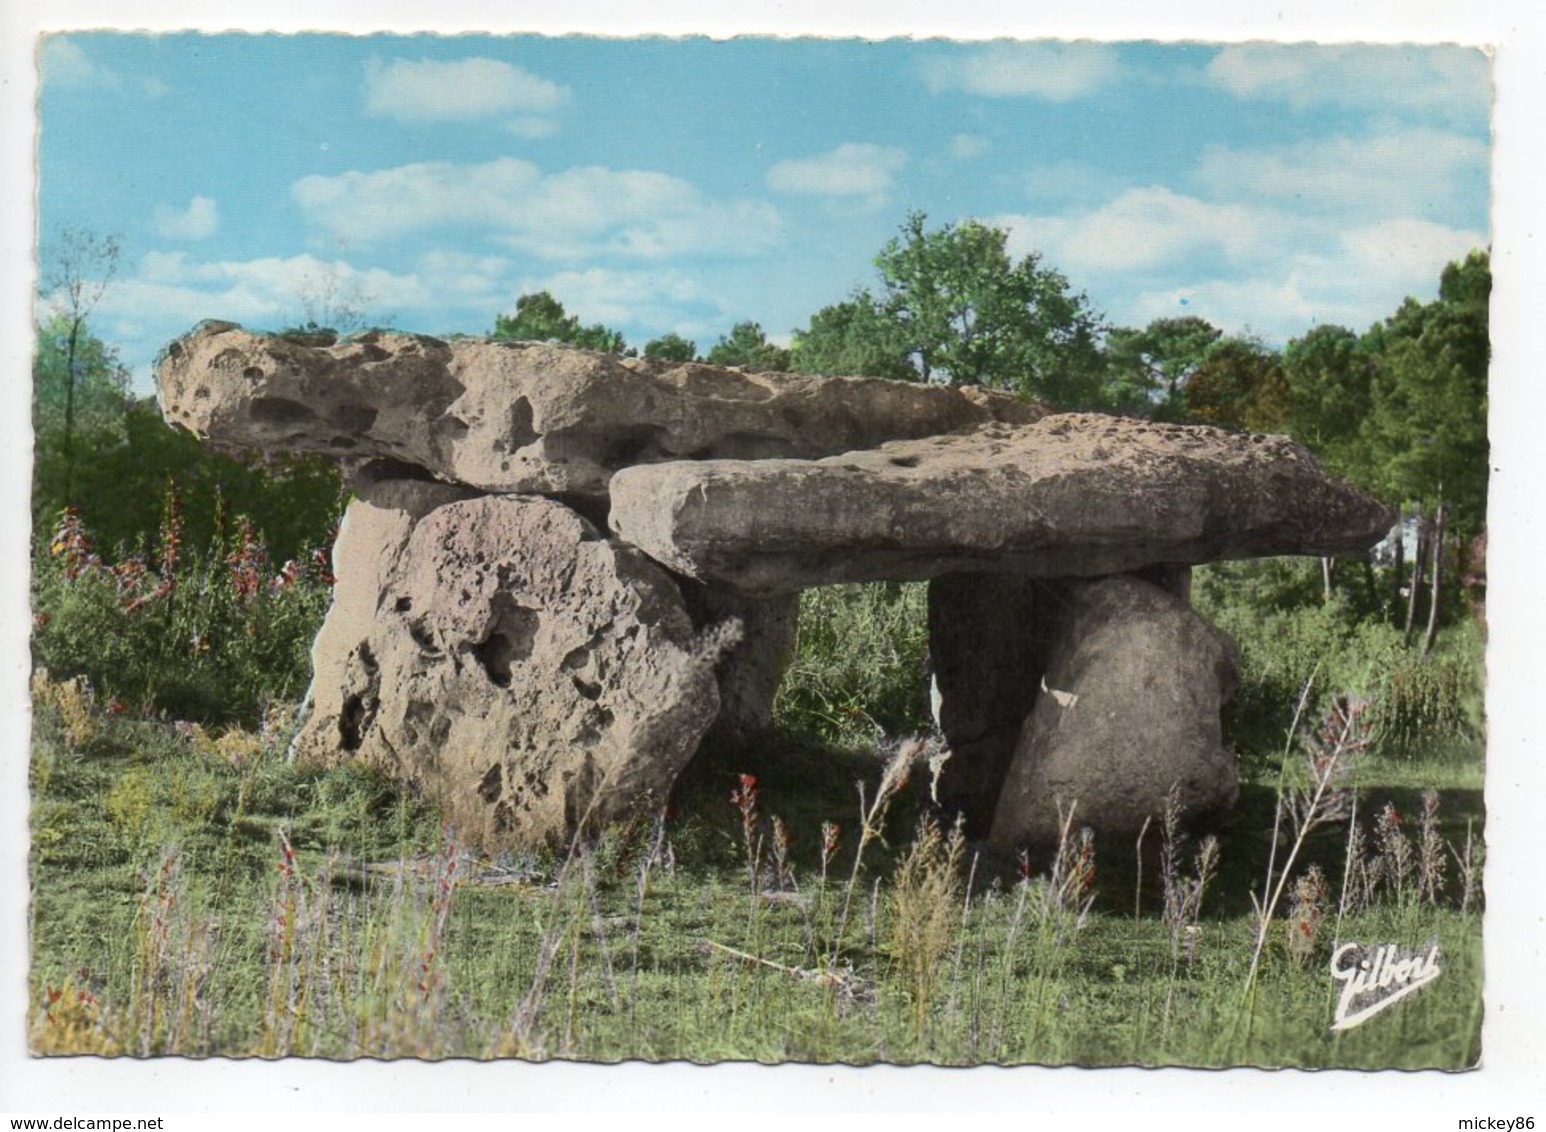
(1371, 587)
(69, 413)
(1326, 587)
(1438, 577)
(1418, 554)
(1400, 567)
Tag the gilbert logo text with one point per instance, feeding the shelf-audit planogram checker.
(1374, 978)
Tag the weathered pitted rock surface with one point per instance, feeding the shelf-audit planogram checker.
(528, 417)
(1072, 495)
(1134, 683)
(524, 672)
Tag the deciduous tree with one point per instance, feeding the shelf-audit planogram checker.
(969, 314)
(1427, 427)
(1147, 370)
(854, 337)
(80, 269)
(1239, 384)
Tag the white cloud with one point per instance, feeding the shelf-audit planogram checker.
(664, 300)
(427, 91)
(578, 212)
(466, 279)
(1142, 230)
(1408, 77)
(853, 169)
(1399, 249)
(198, 221)
(170, 288)
(65, 64)
(964, 147)
(1399, 172)
(1063, 179)
(1152, 253)
(531, 128)
(1058, 72)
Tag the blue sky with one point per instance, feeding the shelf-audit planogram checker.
(686, 184)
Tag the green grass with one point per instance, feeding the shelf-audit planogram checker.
(158, 889)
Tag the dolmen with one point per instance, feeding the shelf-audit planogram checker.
(560, 570)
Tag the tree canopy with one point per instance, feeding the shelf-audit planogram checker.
(1239, 384)
(1148, 369)
(953, 307)
(1426, 434)
(1330, 375)
(671, 347)
(540, 317)
(853, 337)
(969, 314)
(747, 346)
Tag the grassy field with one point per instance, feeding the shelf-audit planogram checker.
(194, 894)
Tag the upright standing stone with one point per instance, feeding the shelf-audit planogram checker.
(987, 651)
(528, 675)
(750, 672)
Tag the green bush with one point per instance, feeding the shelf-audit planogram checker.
(1288, 635)
(209, 636)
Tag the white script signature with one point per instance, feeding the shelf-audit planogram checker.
(1373, 978)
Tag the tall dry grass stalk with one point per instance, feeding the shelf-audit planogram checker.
(1182, 893)
(1320, 800)
(172, 960)
(925, 898)
(871, 822)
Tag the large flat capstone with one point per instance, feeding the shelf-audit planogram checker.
(529, 417)
(1071, 495)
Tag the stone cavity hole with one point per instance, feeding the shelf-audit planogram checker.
(512, 631)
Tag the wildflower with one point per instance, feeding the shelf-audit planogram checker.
(72, 544)
(39, 622)
(115, 706)
(322, 559)
(830, 833)
(781, 853)
(286, 857)
(289, 574)
(1307, 914)
(246, 561)
(170, 539)
(127, 576)
(744, 797)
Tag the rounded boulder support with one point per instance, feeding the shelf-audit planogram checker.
(1129, 705)
(530, 676)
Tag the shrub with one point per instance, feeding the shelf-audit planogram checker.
(211, 636)
(858, 668)
(1288, 635)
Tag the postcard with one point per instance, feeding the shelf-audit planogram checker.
(833, 551)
